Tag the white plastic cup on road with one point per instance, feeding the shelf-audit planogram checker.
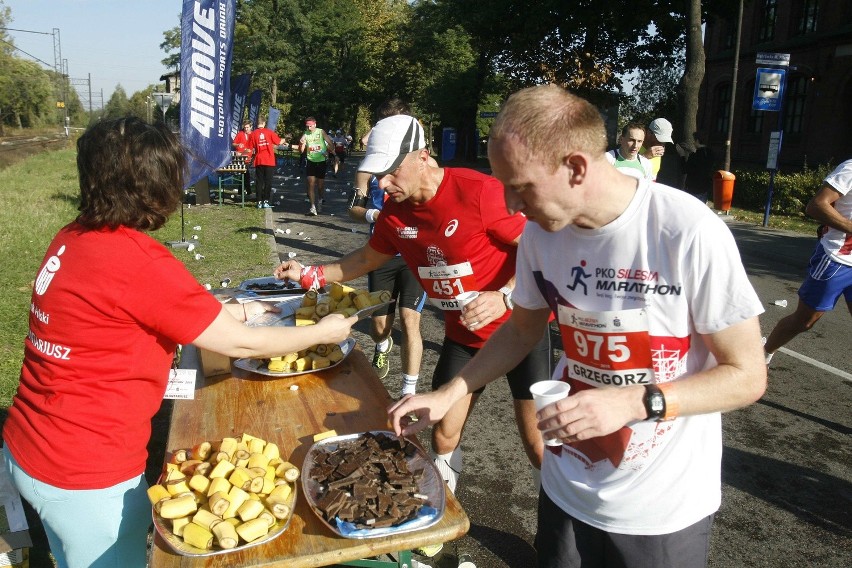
(781, 303)
(548, 392)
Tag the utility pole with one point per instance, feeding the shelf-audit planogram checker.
(59, 70)
(727, 166)
(65, 79)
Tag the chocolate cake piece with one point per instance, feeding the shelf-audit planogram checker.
(367, 481)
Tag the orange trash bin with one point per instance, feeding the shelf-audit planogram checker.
(723, 190)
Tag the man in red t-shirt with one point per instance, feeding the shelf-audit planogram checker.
(262, 142)
(241, 148)
(453, 230)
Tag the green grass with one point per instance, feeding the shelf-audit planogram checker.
(796, 223)
(41, 196)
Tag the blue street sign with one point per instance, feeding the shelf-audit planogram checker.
(769, 89)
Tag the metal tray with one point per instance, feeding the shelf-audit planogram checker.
(276, 286)
(431, 484)
(180, 547)
(288, 307)
(259, 365)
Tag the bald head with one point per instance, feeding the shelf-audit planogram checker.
(551, 123)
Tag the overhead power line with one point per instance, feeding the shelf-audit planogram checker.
(27, 54)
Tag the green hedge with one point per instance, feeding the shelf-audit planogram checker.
(791, 192)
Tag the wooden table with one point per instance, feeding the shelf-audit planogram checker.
(232, 174)
(348, 398)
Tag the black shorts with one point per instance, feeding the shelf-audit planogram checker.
(535, 367)
(564, 542)
(396, 277)
(317, 169)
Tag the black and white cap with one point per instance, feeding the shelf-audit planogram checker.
(390, 140)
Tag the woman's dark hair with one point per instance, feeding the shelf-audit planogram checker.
(131, 173)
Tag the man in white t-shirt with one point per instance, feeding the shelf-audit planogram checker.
(660, 335)
(830, 266)
(626, 157)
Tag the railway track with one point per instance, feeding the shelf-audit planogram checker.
(16, 148)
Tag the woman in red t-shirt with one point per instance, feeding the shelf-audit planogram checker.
(109, 306)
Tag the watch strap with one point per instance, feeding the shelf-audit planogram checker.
(507, 297)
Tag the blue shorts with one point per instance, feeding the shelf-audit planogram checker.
(98, 528)
(826, 281)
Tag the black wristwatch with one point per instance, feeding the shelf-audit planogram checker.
(655, 402)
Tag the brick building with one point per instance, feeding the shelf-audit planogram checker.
(817, 106)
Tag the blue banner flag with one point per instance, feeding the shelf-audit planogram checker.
(272, 119)
(207, 34)
(254, 108)
(239, 93)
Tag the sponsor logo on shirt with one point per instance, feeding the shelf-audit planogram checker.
(451, 228)
(406, 232)
(435, 256)
(625, 281)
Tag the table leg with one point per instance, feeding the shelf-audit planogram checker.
(243, 189)
(219, 177)
(403, 561)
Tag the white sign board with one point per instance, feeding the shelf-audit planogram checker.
(774, 148)
(165, 101)
(782, 59)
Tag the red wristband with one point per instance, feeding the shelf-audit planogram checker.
(312, 277)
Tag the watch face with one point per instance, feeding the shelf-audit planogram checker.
(657, 404)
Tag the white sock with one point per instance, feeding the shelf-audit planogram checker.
(409, 384)
(383, 346)
(450, 466)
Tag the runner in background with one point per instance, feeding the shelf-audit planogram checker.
(317, 145)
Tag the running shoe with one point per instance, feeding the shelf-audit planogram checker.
(380, 360)
(266, 205)
(312, 211)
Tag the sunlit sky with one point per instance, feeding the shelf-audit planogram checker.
(116, 41)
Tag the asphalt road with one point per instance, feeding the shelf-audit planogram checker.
(786, 464)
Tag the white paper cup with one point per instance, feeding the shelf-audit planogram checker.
(548, 392)
(466, 298)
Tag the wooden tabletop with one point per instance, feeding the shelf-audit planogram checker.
(348, 398)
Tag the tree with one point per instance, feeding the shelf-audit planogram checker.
(26, 93)
(171, 45)
(118, 104)
(690, 84)
(143, 105)
(653, 94)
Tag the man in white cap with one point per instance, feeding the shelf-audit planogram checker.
(452, 228)
(658, 133)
